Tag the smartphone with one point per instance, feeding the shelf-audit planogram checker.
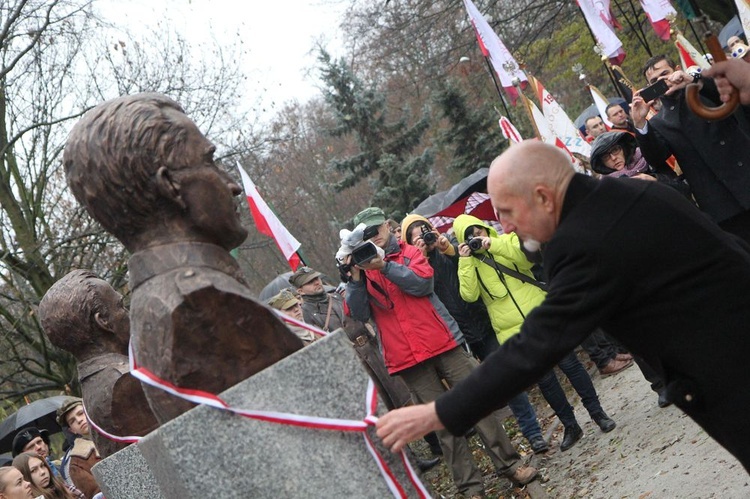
(654, 91)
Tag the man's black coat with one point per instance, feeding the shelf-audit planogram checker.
(637, 259)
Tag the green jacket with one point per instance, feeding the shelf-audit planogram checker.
(477, 278)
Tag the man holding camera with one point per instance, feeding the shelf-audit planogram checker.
(713, 155)
(495, 268)
(421, 343)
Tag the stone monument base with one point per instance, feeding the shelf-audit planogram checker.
(208, 452)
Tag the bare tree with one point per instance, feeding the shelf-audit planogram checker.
(54, 65)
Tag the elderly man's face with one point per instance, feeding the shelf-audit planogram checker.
(207, 191)
(383, 236)
(524, 216)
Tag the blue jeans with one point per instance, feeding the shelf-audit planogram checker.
(525, 415)
(581, 381)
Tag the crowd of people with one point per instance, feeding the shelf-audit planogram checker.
(453, 326)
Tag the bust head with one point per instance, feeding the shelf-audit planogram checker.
(144, 171)
(84, 315)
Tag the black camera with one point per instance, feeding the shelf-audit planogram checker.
(364, 253)
(475, 243)
(428, 236)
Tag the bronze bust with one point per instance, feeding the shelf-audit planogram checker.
(82, 314)
(146, 173)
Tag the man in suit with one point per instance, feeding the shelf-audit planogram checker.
(633, 257)
(714, 155)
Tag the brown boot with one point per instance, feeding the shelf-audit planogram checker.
(615, 366)
(623, 356)
(523, 475)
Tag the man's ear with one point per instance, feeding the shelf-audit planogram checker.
(545, 197)
(103, 322)
(168, 187)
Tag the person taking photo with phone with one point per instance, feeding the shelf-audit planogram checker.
(713, 155)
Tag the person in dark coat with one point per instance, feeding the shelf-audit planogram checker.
(713, 155)
(633, 257)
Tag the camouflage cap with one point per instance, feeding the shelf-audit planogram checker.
(284, 300)
(370, 216)
(302, 276)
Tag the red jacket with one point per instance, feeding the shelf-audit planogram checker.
(401, 301)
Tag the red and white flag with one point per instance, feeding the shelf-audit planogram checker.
(657, 12)
(509, 131)
(267, 223)
(689, 55)
(494, 49)
(603, 24)
(559, 122)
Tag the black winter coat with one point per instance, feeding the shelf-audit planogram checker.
(638, 260)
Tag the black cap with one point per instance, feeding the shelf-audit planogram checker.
(25, 436)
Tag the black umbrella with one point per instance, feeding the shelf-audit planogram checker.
(40, 414)
(436, 203)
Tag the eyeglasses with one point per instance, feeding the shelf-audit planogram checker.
(613, 152)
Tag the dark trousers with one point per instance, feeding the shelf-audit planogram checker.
(581, 381)
(600, 348)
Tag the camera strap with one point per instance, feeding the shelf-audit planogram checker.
(500, 268)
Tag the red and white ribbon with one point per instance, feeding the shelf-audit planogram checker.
(314, 422)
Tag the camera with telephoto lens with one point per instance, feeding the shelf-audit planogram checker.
(475, 243)
(428, 236)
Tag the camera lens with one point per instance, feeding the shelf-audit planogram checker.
(429, 238)
(475, 244)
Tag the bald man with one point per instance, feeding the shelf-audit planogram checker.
(633, 257)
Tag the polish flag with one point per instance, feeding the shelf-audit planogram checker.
(657, 12)
(267, 223)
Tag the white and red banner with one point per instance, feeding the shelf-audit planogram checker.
(509, 131)
(601, 104)
(494, 49)
(559, 122)
(657, 12)
(599, 18)
(689, 55)
(267, 223)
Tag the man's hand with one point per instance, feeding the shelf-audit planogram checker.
(421, 246)
(644, 176)
(376, 263)
(353, 269)
(442, 243)
(677, 81)
(638, 110)
(727, 74)
(401, 426)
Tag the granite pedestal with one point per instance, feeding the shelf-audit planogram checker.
(208, 452)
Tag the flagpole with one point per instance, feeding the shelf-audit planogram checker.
(497, 87)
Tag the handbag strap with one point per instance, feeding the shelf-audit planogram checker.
(499, 267)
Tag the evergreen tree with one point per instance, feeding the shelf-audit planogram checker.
(472, 133)
(384, 148)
